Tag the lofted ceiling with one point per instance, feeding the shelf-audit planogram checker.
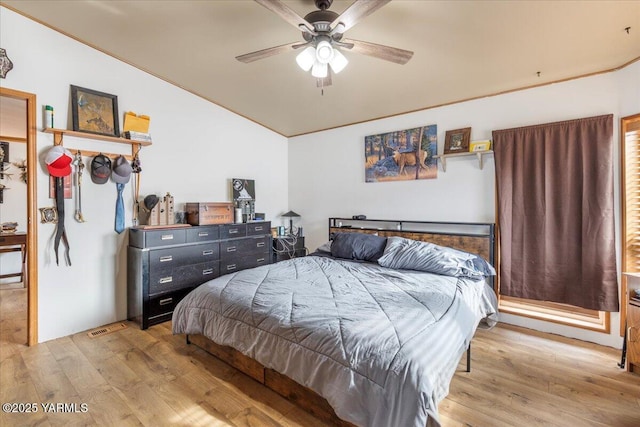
(462, 50)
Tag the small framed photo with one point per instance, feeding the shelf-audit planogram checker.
(478, 146)
(94, 112)
(48, 215)
(457, 141)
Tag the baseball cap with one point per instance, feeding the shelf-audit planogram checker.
(100, 169)
(121, 170)
(58, 160)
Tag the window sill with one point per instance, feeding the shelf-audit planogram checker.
(563, 314)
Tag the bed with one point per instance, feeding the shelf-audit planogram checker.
(366, 331)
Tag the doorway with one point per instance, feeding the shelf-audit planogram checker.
(28, 101)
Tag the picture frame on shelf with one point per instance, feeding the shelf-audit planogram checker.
(457, 141)
(479, 146)
(94, 112)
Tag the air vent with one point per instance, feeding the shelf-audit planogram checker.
(104, 330)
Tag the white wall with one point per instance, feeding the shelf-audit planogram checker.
(326, 169)
(197, 147)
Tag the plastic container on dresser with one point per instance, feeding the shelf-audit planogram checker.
(163, 265)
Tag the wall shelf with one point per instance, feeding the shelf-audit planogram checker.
(479, 154)
(58, 137)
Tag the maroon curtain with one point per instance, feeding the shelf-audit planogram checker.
(555, 212)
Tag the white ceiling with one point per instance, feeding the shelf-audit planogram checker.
(463, 50)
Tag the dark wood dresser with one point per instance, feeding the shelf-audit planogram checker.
(163, 265)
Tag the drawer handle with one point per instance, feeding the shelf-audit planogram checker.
(231, 267)
(166, 301)
(258, 228)
(260, 260)
(260, 244)
(168, 279)
(233, 231)
(167, 237)
(207, 271)
(203, 234)
(207, 252)
(166, 258)
(231, 249)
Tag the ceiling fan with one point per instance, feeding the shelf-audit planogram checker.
(323, 32)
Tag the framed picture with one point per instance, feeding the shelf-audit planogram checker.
(66, 185)
(94, 112)
(478, 146)
(4, 157)
(401, 155)
(457, 141)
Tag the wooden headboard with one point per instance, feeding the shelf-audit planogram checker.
(473, 237)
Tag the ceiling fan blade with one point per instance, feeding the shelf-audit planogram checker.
(357, 11)
(286, 13)
(265, 53)
(388, 53)
(326, 81)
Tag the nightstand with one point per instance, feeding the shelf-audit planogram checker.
(633, 335)
(287, 247)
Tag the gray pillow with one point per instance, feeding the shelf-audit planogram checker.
(358, 246)
(325, 247)
(407, 254)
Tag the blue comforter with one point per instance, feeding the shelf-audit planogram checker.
(380, 344)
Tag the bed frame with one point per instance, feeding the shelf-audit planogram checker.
(477, 238)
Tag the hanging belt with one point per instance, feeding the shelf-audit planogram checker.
(60, 231)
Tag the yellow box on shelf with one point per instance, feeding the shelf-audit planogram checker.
(476, 146)
(136, 123)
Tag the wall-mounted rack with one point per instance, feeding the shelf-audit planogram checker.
(479, 154)
(58, 137)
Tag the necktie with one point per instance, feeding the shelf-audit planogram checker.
(119, 227)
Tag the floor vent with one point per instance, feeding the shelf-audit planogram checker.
(104, 330)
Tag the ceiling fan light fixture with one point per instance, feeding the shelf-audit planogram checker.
(324, 52)
(319, 70)
(306, 58)
(338, 62)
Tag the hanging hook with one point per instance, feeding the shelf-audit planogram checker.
(136, 149)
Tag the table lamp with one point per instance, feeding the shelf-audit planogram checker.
(291, 215)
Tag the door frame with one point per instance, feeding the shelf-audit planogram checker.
(32, 213)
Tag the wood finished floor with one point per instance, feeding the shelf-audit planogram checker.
(131, 377)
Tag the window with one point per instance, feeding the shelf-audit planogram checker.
(630, 200)
(556, 221)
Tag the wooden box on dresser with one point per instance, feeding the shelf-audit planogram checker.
(163, 265)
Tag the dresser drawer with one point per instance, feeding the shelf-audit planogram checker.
(256, 228)
(164, 304)
(231, 231)
(154, 238)
(165, 280)
(178, 256)
(203, 234)
(251, 245)
(243, 262)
